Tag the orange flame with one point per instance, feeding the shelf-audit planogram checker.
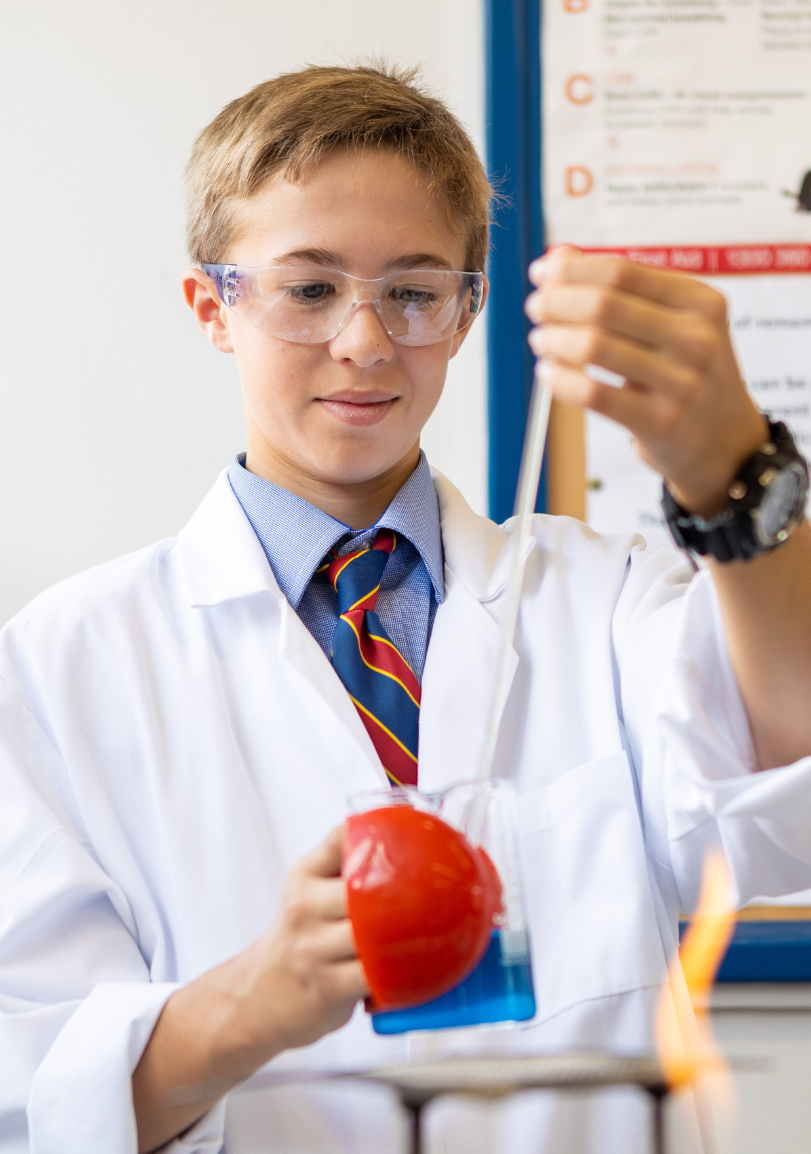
(688, 1053)
(684, 1040)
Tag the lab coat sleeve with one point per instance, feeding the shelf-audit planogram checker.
(685, 715)
(76, 1003)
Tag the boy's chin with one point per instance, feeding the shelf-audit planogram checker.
(355, 473)
(360, 464)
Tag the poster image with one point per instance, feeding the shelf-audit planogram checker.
(678, 132)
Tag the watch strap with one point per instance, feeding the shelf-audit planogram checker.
(731, 534)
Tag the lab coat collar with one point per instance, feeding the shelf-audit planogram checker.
(222, 554)
(477, 551)
(224, 559)
(297, 536)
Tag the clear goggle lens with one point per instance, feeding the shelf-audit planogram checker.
(310, 304)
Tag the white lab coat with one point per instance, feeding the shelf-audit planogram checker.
(172, 739)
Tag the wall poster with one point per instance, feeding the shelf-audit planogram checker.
(679, 132)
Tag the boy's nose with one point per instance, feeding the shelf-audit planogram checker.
(363, 338)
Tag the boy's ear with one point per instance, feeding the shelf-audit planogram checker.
(204, 301)
(460, 334)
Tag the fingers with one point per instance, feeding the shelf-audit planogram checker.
(325, 859)
(349, 980)
(605, 307)
(315, 890)
(666, 335)
(673, 289)
(304, 973)
(660, 330)
(327, 898)
(649, 416)
(690, 335)
(307, 899)
(336, 943)
(577, 346)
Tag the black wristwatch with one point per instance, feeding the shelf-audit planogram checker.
(766, 504)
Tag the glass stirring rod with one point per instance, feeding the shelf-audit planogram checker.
(525, 498)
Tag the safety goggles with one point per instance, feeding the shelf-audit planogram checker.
(309, 304)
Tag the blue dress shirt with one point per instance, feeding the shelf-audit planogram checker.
(296, 537)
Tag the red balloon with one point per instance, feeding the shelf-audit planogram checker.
(422, 901)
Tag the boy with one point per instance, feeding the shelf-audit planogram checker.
(181, 728)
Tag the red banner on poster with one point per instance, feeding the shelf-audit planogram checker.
(727, 260)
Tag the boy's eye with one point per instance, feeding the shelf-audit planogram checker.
(312, 293)
(411, 295)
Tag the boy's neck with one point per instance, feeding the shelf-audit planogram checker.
(358, 505)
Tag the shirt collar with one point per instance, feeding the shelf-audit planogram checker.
(296, 535)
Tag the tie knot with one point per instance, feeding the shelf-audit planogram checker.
(356, 576)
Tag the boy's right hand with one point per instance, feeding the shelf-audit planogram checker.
(304, 978)
(299, 981)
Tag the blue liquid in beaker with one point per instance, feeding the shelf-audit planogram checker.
(498, 990)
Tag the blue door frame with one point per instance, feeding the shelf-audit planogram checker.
(513, 138)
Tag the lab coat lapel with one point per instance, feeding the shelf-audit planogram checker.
(459, 670)
(319, 683)
(224, 560)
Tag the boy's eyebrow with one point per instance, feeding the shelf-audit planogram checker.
(327, 259)
(418, 260)
(321, 256)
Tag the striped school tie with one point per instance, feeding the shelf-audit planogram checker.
(379, 680)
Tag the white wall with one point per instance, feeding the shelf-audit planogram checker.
(115, 414)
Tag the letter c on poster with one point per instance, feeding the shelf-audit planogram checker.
(579, 88)
(579, 181)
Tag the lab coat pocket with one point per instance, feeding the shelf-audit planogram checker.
(591, 912)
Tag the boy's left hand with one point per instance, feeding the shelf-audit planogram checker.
(686, 404)
(684, 399)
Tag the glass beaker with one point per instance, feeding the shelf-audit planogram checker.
(497, 984)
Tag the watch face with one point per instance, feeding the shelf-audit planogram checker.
(782, 506)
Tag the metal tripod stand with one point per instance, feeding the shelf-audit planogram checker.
(496, 1077)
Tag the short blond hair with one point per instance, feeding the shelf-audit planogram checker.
(290, 123)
